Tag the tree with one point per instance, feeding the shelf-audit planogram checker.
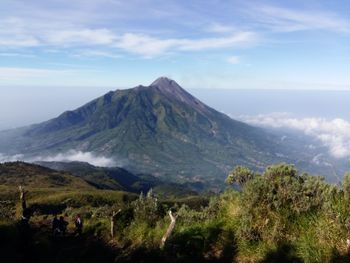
(240, 175)
(281, 170)
(147, 208)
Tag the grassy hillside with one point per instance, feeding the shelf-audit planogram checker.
(116, 178)
(103, 178)
(277, 216)
(20, 173)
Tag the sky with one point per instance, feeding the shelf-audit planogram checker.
(202, 44)
(56, 55)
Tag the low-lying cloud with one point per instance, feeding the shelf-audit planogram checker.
(334, 133)
(69, 156)
(11, 158)
(73, 155)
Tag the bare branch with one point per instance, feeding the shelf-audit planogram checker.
(169, 230)
(114, 214)
(22, 196)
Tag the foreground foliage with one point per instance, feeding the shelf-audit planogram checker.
(277, 216)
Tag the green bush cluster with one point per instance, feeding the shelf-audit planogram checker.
(283, 210)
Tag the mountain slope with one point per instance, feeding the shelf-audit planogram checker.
(115, 178)
(159, 129)
(19, 173)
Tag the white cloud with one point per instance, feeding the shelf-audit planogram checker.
(13, 54)
(73, 155)
(234, 40)
(145, 45)
(233, 59)
(84, 36)
(68, 156)
(96, 53)
(33, 33)
(12, 158)
(289, 20)
(219, 28)
(14, 33)
(335, 133)
(150, 46)
(19, 41)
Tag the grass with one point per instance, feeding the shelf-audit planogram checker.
(231, 227)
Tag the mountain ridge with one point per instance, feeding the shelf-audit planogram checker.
(13, 174)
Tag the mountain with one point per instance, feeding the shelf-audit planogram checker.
(158, 129)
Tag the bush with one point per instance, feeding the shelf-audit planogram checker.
(147, 209)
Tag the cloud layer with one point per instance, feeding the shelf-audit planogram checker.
(335, 133)
(288, 19)
(34, 34)
(69, 156)
(187, 27)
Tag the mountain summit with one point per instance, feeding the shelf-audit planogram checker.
(170, 87)
(159, 129)
(165, 83)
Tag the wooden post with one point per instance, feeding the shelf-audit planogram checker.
(169, 230)
(22, 197)
(114, 214)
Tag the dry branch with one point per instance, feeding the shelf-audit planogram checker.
(169, 230)
(114, 214)
(22, 197)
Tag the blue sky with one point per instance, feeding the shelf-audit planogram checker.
(56, 55)
(201, 44)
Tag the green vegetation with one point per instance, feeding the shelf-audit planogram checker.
(275, 216)
(20, 173)
(115, 178)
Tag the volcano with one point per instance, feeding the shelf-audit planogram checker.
(159, 129)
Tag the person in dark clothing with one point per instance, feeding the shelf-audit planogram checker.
(62, 225)
(55, 225)
(24, 228)
(78, 225)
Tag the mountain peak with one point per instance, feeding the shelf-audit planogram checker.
(163, 82)
(167, 85)
(170, 87)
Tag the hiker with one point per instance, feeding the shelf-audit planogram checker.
(24, 229)
(78, 225)
(55, 226)
(62, 225)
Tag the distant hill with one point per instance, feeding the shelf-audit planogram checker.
(102, 178)
(116, 178)
(19, 173)
(158, 129)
